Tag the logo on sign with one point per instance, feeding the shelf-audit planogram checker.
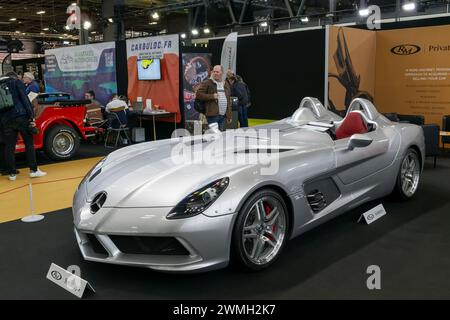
(405, 49)
(370, 216)
(56, 275)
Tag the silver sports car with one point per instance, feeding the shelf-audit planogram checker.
(198, 203)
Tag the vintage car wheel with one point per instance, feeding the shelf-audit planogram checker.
(61, 143)
(409, 175)
(261, 230)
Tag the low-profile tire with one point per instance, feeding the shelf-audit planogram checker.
(408, 175)
(260, 232)
(61, 143)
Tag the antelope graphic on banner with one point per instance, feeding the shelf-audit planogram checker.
(229, 50)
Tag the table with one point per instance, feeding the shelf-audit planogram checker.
(444, 133)
(154, 115)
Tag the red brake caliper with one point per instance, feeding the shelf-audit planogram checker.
(268, 209)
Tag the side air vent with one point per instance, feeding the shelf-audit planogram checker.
(316, 200)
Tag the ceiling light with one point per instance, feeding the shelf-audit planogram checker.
(409, 6)
(13, 19)
(45, 29)
(153, 23)
(194, 32)
(111, 20)
(263, 24)
(40, 12)
(87, 25)
(93, 32)
(67, 27)
(304, 19)
(364, 12)
(206, 30)
(183, 36)
(155, 15)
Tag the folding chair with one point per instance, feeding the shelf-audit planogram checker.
(115, 121)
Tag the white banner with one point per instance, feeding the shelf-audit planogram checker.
(229, 51)
(80, 58)
(152, 47)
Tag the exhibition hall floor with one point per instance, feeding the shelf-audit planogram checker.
(411, 245)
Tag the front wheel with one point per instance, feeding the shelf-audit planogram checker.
(61, 143)
(409, 175)
(261, 230)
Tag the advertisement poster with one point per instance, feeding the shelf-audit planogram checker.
(161, 87)
(351, 66)
(195, 70)
(78, 69)
(413, 72)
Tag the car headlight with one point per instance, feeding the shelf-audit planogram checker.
(198, 201)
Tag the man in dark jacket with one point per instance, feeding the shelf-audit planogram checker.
(2, 152)
(239, 90)
(216, 94)
(20, 118)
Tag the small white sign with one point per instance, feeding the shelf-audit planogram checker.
(373, 214)
(68, 281)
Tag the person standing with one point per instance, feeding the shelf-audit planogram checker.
(30, 84)
(2, 152)
(20, 118)
(215, 93)
(239, 90)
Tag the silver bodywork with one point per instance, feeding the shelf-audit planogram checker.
(142, 185)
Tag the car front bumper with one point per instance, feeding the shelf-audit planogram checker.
(204, 240)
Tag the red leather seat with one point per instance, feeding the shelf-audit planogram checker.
(353, 123)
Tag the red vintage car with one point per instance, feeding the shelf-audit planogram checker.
(62, 123)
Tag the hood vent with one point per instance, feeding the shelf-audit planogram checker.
(96, 173)
(263, 150)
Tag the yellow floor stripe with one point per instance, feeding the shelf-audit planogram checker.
(52, 192)
(257, 122)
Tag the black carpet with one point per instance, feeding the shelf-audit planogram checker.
(411, 244)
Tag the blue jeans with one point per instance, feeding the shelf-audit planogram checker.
(243, 117)
(220, 121)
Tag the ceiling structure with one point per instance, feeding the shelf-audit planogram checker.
(20, 17)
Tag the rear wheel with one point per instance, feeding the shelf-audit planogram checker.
(61, 143)
(409, 175)
(261, 230)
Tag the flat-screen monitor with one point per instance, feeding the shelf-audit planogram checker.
(149, 69)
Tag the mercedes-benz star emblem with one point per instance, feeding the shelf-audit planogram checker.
(98, 201)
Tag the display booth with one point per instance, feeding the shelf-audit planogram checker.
(403, 71)
(153, 73)
(78, 69)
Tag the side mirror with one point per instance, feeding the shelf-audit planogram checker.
(358, 141)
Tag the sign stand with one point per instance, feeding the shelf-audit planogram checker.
(33, 217)
(372, 214)
(68, 281)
